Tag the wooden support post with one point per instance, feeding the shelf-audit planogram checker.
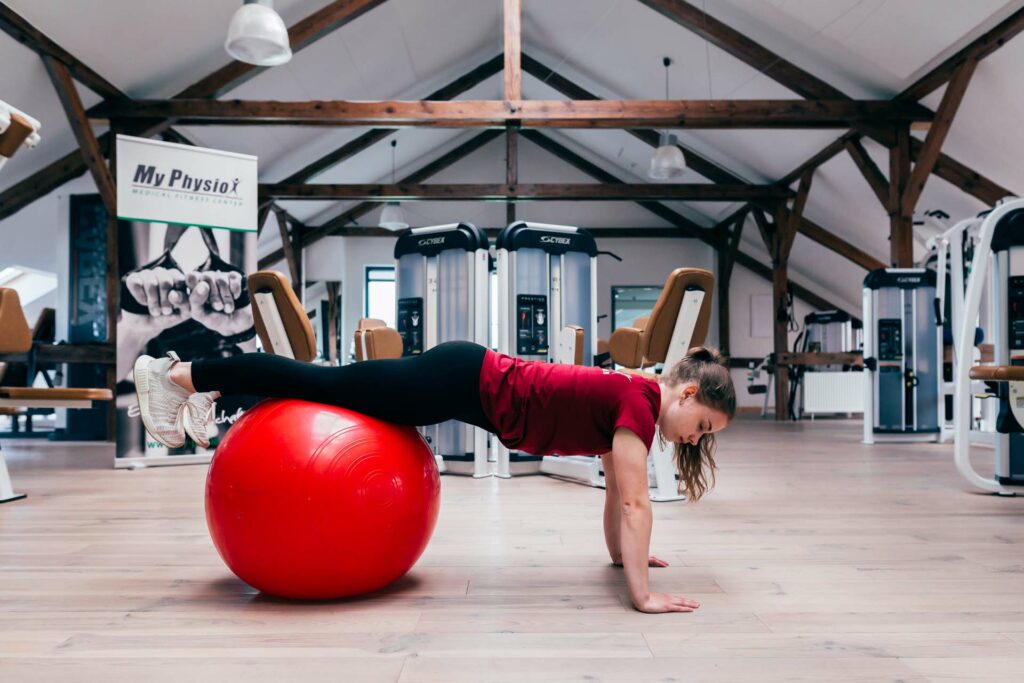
(261, 216)
(513, 50)
(333, 289)
(113, 285)
(292, 255)
(901, 224)
(511, 170)
(869, 169)
(726, 261)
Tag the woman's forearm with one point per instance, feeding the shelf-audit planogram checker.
(635, 543)
(612, 524)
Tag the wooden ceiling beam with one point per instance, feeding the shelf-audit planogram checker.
(932, 146)
(696, 192)
(513, 34)
(744, 49)
(89, 148)
(28, 35)
(869, 169)
(526, 113)
(976, 51)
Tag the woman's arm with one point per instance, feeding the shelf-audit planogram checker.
(630, 455)
(612, 520)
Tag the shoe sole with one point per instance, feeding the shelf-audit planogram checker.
(140, 375)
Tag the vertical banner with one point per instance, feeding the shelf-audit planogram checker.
(183, 283)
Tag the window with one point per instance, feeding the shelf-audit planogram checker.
(632, 302)
(380, 294)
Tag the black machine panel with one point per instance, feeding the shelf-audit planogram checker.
(890, 339)
(1015, 308)
(410, 325)
(531, 324)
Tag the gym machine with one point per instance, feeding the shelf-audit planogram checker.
(999, 257)
(443, 294)
(547, 280)
(902, 352)
(820, 383)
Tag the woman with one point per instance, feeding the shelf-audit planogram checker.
(534, 407)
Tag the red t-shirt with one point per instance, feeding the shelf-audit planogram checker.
(549, 409)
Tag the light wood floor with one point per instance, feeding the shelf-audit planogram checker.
(816, 559)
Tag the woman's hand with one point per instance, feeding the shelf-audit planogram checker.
(663, 602)
(652, 561)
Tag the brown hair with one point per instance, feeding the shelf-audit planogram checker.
(708, 370)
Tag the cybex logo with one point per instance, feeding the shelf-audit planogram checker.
(550, 239)
(430, 240)
(908, 280)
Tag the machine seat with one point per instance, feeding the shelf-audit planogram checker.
(998, 373)
(634, 347)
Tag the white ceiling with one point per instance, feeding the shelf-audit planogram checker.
(405, 49)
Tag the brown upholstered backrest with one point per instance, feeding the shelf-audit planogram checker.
(635, 347)
(365, 324)
(382, 342)
(661, 322)
(15, 335)
(296, 323)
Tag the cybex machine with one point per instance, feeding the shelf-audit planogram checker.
(999, 259)
(902, 351)
(546, 281)
(443, 294)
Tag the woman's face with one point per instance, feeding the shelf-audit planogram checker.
(684, 419)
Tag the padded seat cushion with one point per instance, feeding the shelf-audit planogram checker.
(58, 394)
(998, 373)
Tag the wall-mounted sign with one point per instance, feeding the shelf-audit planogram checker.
(162, 182)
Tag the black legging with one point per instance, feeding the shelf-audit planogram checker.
(439, 385)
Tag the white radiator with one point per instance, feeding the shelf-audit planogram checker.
(833, 392)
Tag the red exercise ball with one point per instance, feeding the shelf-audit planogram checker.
(311, 501)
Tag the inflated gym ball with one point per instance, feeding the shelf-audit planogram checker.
(310, 501)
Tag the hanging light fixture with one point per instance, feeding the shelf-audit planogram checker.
(668, 161)
(392, 217)
(257, 35)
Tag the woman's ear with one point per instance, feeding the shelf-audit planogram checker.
(688, 391)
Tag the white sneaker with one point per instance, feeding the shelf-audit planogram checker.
(197, 417)
(160, 399)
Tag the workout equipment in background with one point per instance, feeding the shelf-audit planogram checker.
(999, 261)
(443, 294)
(826, 386)
(902, 348)
(547, 279)
(951, 253)
(16, 345)
(311, 501)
